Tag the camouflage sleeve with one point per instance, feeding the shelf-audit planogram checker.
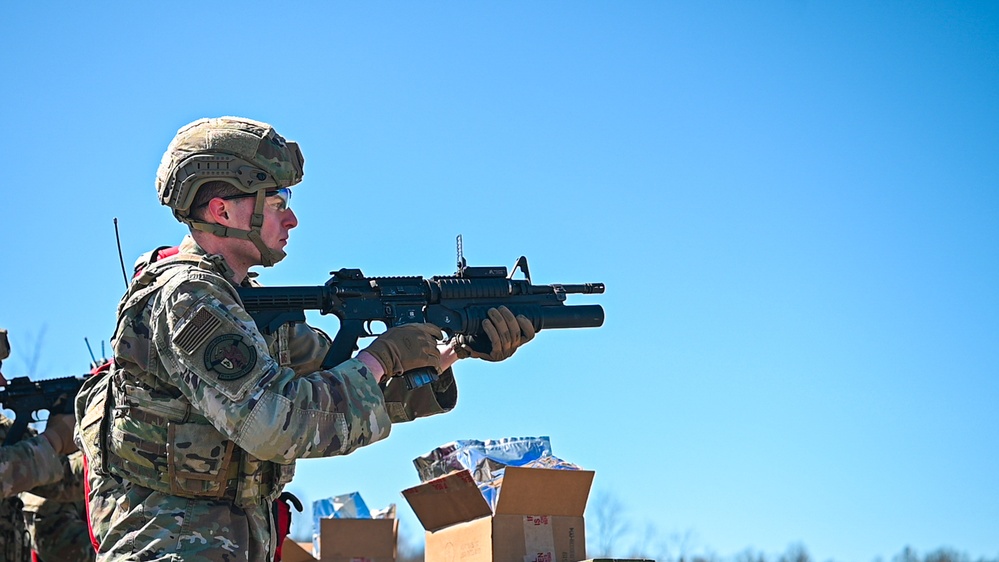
(212, 351)
(308, 349)
(27, 464)
(58, 529)
(69, 487)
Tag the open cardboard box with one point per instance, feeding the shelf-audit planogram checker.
(348, 540)
(538, 517)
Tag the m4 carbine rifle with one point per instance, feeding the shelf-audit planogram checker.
(25, 397)
(457, 304)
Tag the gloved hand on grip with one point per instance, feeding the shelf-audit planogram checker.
(407, 347)
(506, 333)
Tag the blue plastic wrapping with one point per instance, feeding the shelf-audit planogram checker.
(487, 459)
(344, 506)
(481, 457)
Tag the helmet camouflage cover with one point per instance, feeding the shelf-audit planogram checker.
(247, 154)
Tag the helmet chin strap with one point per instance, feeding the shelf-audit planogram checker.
(268, 256)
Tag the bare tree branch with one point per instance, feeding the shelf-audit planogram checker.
(607, 520)
(31, 360)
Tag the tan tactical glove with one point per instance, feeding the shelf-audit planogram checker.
(506, 333)
(59, 432)
(407, 347)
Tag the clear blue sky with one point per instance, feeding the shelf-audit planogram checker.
(794, 206)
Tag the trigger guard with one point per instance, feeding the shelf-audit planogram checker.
(478, 342)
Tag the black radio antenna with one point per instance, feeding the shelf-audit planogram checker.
(86, 341)
(121, 258)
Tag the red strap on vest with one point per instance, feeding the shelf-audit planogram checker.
(101, 369)
(282, 518)
(86, 503)
(156, 255)
(167, 252)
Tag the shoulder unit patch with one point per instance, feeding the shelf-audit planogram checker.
(230, 357)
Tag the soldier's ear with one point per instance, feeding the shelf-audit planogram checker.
(221, 211)
(216, 210)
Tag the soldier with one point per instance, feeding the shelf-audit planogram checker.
(25, 465)
(196, 429)
(56, 519)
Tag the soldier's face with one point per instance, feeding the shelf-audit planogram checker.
(279, 219)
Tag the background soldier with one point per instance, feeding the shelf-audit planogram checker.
(56, 518)
(25, 465)
(205, 415)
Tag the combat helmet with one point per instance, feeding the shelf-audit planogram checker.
(247, 154)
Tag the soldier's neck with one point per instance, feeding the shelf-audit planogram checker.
(238, 259)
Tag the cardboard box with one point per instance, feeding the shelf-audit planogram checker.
(292, 551)
(348, 540)
(538, 517)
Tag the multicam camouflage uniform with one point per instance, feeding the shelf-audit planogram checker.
(197, 428)
(56, 485)
(15, 545)
(29, 463)
(55, 516)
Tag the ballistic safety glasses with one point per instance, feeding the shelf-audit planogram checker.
(284, 193)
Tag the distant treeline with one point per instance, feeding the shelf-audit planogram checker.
(794, 553)
(610, 533)
(798, 553)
